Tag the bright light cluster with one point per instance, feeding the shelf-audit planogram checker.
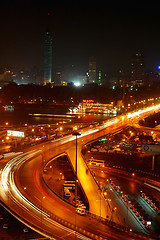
(135, 114)
(8, 186)
(8, 183)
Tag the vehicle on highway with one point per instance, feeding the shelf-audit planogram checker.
(96, 162)
(25, 230)
(67, 193)
(69, 184)
(80, 211)
(94, 150)
(5, 226)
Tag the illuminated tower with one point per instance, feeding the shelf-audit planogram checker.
(48, 58)
(92, 70)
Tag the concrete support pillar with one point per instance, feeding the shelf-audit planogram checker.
(153, 160)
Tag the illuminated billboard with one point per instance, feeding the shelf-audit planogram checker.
(88, 101)
(11, 133)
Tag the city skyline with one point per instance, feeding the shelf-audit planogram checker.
(112, 35)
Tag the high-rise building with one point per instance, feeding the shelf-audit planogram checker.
(92, 70)
(58, 76)
(99, 77)
(48, 58)
(137, 70)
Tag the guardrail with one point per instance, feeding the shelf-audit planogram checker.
(106, 221)
(101, 219)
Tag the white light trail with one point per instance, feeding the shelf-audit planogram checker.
(148, 109)
(23, 199)
(7, 179)
(9, 187)
(67, 229)
(152, 186)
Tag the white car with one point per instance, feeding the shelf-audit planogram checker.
(80, 211)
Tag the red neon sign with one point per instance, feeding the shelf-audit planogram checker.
(88, 101)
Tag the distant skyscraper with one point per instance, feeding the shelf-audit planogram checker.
(92, 70)
(48, 58)
(99, 77)
(137, 69)
(58, 76)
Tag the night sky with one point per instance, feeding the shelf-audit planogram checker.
(111, 32)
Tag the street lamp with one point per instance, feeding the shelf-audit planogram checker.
(76, 134)
(76, 183)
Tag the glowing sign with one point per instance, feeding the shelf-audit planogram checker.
(11, 133)
(88, 101)
(159, 67)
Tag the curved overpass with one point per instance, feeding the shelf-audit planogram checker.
(23, 190)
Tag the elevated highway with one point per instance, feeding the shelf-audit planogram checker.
(25, 194)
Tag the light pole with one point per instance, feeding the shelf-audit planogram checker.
(76, 182)
(99, 202)
(76, 134)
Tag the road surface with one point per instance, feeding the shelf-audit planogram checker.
(23, 190)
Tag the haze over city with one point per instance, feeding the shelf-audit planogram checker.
(112, 33)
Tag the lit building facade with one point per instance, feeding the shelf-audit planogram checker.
(99, 77)
(92, 70)
(58, 76)
(48, 58)
(137, 70)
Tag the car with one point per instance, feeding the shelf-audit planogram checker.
(5, 226)
(67, 193)
(82, 206)
(25, 230)
(80, 211)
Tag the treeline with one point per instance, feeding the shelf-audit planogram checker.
(70, 94)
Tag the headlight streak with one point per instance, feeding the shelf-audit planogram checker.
(7, 180)
(106, 124)
(23, 199)
(12, 163)
(8, 186)
(134, 114)
(66, 229)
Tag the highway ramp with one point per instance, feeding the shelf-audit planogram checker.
(97, 202)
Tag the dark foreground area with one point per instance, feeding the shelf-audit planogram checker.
(12, 229)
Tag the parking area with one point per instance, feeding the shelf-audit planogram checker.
(59, 177)
(124, 149)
